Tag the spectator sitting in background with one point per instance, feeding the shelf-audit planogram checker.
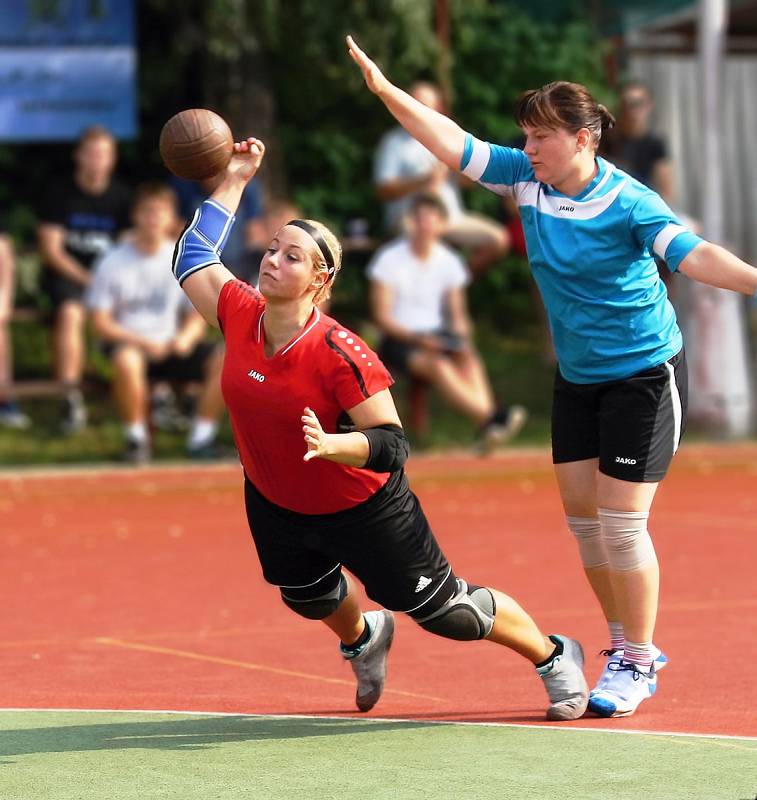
(418, 301)
(80, 221)
(245, 236)
(10, 414)
(403, 167)
(149, 329)
(632, 145)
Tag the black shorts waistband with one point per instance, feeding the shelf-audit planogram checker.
(395, 488)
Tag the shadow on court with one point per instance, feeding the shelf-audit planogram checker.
(177, 734)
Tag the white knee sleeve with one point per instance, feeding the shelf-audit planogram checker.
(588, 534)
(626, 539)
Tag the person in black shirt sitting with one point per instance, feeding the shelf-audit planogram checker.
(81, 219)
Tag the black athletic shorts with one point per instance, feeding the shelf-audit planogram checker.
(396, 353)
(60, 288)
(182, 369)
(386, 542)
(634, 425)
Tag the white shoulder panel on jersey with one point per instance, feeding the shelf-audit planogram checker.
(665, 237)
(479, 160)
(530, 193)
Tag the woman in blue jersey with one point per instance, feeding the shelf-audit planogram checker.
(619, 407)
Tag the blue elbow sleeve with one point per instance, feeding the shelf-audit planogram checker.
(202, 241)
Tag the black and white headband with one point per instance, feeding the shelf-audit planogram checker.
(316, 236)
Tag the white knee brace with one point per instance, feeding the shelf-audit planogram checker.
(588, 534)
(626, 539)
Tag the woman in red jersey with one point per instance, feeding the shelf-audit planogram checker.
(318, 499)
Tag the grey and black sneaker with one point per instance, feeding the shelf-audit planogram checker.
(137, 452)
(73, 412)
(564, 681)
(165, 415)
(369, 661)
(503, 425)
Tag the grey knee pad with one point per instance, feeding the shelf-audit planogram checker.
(466, 616)
(317, 607)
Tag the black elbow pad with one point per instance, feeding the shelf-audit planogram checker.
(389, 448)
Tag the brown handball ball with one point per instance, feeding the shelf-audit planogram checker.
(196, 144)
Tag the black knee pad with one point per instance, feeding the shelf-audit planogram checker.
(320, 607)
(468, 615)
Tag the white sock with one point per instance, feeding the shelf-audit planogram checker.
(136, 432)
(638, 653)
(617, 637)
(203, 432)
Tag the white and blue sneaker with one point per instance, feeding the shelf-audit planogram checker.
(624, 691)
(615, 657)
(369, 661)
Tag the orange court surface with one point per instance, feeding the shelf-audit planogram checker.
(140, 589)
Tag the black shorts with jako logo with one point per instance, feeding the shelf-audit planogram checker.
(633, 426)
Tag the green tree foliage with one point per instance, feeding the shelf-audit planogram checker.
(279, 69)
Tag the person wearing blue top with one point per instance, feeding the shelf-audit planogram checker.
(592, 234)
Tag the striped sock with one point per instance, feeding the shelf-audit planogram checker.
(639, 654)
(616, 635)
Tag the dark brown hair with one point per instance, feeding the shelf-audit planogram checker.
(154, 190)
(95, 132)
(563, 105)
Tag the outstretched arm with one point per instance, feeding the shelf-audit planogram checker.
(714, 265)
(197, 260)
(439, 134)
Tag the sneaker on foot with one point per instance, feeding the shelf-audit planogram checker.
(503, 426)
(564, 681)
(12, 417)
(165, 416)
(615, 657)
(624, 692)
(137, 452)
(369, 663)
(73, 412)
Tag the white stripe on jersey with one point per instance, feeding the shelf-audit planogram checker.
(479, 160)
(531, 193)
(665, 237)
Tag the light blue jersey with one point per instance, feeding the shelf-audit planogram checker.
(591, 256)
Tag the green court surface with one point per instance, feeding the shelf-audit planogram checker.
(78, 755)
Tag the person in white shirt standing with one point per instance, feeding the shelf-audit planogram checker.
(418, 301)
(148, 328)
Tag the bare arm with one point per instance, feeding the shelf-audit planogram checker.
(190, 333)
(457, 308)
(437, 133)
(109, 330)
(204, 286)
(52, 248)
(397, 188)
(662, 180)
(714, 265)
(353, 448)
(6, 278)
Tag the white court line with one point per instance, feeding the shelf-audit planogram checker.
(402, 720)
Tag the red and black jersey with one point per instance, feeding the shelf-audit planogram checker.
(326, 367)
